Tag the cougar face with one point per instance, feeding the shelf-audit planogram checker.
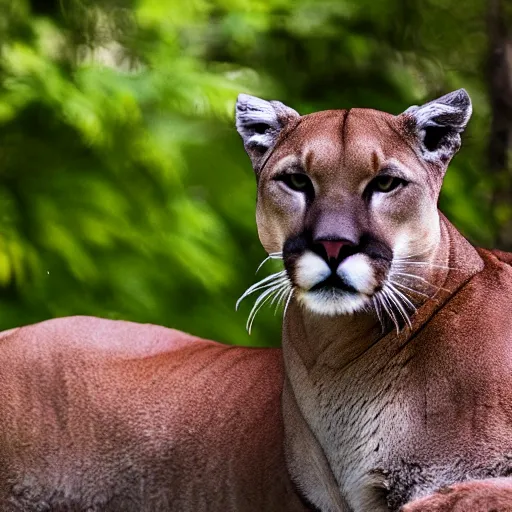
(348, 196)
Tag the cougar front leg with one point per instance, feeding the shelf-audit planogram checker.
(491, 495)
(306, 460)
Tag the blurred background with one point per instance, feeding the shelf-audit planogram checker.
(125, 191)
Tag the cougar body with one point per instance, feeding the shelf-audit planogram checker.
(102, 415)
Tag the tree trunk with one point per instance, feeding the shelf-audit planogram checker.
(500, 90)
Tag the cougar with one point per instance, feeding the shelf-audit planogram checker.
(391, 392)
(397, 338)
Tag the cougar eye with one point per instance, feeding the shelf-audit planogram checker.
(297, 181)
(386, 183)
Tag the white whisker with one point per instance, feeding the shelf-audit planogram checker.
(400, 309)
(389, 310)
(414, 276)
(404, 297)
(260, 301)
(423, 264)
(272, 288)
(271, 256)
(258, 286)
(279, 297)
(269, 278)
(280, 282)
(288, 300)
(396, 283)
(426, 251)
(264, 283)
(377, 308)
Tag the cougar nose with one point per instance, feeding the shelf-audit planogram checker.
(333, 248)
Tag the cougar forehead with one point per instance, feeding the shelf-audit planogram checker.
(347, 144)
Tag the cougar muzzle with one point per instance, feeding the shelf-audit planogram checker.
(336, 276)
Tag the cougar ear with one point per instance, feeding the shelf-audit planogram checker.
(259, 122)
(439, 123)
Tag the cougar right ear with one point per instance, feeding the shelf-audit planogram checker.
(259, 123)
(439, 123)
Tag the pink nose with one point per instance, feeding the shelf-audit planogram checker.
(332, 248)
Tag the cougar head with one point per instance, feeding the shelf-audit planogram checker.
(346, 195)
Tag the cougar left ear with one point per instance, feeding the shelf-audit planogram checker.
(439, 123)
(259, 123)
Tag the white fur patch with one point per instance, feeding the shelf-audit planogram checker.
(358, 272)
(252, 110)
(310, 269)
(332, 302)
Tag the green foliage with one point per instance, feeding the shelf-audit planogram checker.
(124, 189)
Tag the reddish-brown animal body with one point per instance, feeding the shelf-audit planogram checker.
(492, 495)
(103, 415)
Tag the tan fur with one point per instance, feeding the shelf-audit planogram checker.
(101, 415)
(494, 494)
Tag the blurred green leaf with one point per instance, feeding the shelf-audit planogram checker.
(124, 188)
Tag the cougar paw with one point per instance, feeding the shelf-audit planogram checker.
(493, 495)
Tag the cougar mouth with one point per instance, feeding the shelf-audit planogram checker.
(341, 286)
(333, 284)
